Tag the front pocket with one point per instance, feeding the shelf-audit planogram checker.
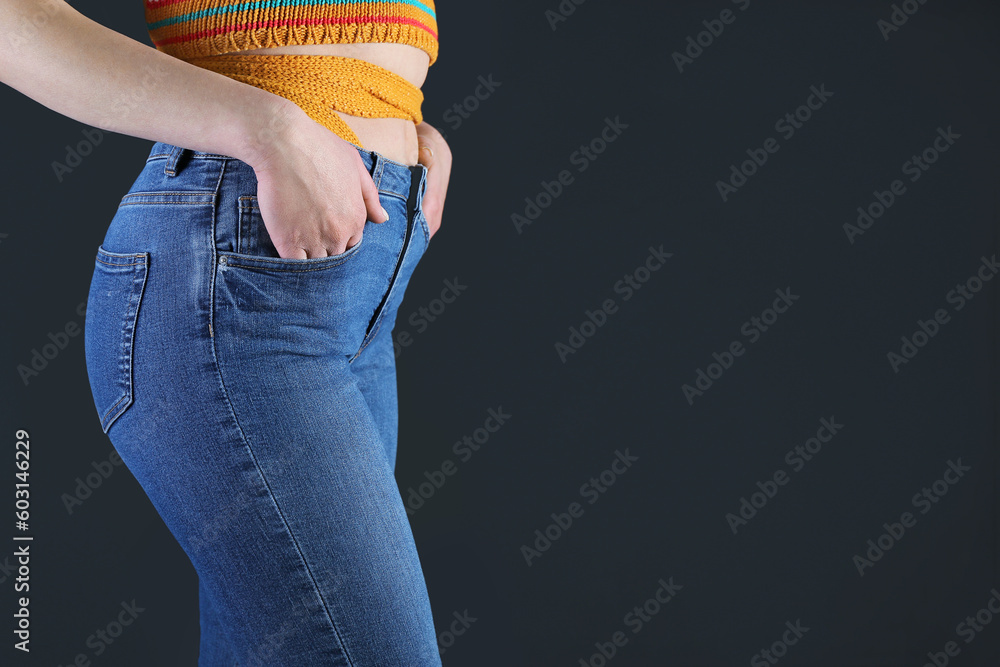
(116, 291)
(311, 306)
(253, 243)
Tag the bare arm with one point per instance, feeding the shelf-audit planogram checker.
(313, 189)
(81, 69)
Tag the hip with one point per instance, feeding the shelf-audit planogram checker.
(186, 264)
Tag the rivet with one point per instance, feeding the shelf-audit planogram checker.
(222, 260)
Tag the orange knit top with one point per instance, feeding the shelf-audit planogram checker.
(203, 32)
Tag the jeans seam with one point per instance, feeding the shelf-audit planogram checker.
(260, 472)
(392, 193)
(411, 221)
(277, 507)
(215, 252)
(191, 156)
(393, 281)
(424, 226)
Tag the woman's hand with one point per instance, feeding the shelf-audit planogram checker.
(438, 163)
(313, 190)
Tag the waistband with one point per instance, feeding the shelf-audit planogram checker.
(322, 85)
(390, 177)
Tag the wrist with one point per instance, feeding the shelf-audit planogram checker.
(267, 128)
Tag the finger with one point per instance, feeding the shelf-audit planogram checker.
(426, 154)
(292, 252)
(351, 242)
(370, 194)
(319, 252)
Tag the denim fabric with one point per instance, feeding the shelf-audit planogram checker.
(254, 400)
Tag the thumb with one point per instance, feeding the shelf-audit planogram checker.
(376, 213)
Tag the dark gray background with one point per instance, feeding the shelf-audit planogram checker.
(494, 346)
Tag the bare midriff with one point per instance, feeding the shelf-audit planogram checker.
(395, 138)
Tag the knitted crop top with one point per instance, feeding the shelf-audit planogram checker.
(193, 28)
(207, 32)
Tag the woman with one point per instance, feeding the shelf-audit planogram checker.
(238, 329)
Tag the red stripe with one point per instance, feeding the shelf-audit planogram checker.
(288, 22)
(154, 4)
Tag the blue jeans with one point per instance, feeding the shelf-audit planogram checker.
(254, 400)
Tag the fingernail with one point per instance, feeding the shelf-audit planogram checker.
(385, 213)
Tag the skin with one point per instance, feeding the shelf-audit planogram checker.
(394, 138)
(397, 139)
(314, 192)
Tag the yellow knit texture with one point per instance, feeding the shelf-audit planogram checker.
(321, 85)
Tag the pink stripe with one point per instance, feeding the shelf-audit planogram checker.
(156, 4)
(272, 24)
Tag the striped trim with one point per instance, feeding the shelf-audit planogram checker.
(290, 22)
(197, 28)
(266, 4)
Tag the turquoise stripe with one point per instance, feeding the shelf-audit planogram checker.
(269, 4)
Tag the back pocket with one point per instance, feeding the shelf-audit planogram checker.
(109, 329)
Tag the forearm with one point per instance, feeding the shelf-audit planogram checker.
(81, 69)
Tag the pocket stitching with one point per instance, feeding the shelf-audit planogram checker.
(168, 198)
(129, 325)
(246, 207)
(250, 261)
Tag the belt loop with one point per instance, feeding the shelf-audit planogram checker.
(173, 160)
